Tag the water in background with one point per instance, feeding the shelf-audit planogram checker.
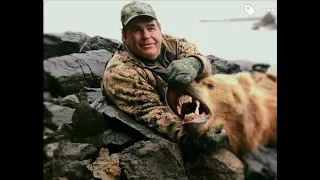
(227, 40)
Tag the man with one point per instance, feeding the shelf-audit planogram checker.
(138, 74)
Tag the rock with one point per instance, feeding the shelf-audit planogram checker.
(56, 115)
(50, 148)
(70, 161)
(154, 159)
(244, 65)
(98, 42)
(234, 66)
(89, 95)
(105, 167)
(47, 96)
(261, 165)
(219, 166)
(223, 66)
(75, 151)
(47, 170)
(60, 178)
(268, 21)
(47, 133)
(47, 115)
(93, 94)
(85, 122)
(251, 66)
(115, 141)
(69, 74)
(70, 101)
(71, 169)
(112, 112)
(63, 44)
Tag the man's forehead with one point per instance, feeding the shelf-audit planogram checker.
(142, 23)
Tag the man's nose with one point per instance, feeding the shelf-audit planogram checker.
(146, 34)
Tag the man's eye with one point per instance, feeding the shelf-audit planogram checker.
(152, 29)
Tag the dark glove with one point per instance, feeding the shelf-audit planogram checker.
(214, 138)
(207, 143)
(183, 71)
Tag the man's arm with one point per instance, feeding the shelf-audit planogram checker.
(126, 85)
(189, 66)
(186, 49)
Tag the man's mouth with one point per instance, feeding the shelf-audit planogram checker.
(146, 45)
(191, 110)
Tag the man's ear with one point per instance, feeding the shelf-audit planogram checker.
(159, 25)
(124, 35)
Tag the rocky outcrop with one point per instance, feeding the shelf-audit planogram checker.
(63, 43)
(69, 74)
(59, 44)
(153, 159)
(87, 137)
(98, 42)
(261, 164)
(220, 165)
(268, 21)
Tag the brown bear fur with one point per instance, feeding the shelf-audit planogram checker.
(246, 105)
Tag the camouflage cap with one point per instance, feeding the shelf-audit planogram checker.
(135, 9)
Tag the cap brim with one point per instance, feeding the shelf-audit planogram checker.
(130, 18)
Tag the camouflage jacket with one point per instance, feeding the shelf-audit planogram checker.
(131, 86)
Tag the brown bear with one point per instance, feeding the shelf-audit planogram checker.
(245, 103)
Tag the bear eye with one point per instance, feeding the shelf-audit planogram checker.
(209, 85)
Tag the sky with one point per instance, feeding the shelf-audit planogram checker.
(179, 18)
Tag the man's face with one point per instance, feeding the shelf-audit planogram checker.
(143, 37)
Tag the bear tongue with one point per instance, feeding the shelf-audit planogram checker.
(189, 117)
(192, 118)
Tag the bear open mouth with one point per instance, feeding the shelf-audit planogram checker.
(190, 109)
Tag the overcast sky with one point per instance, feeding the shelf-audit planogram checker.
(234, 40)
(102, 17)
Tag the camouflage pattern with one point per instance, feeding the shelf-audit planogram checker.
(132, 88)
(135, 9)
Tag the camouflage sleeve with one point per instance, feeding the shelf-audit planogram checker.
(188, 49)
(126, 85)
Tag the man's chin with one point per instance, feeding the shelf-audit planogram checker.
(150, 55)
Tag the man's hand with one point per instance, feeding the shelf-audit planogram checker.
(214, 138)
(208, 142)
(183, 71)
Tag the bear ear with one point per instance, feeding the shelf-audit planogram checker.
(245, 80)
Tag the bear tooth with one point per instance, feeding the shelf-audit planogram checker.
(179, 109)
(184, 99)
(196, 112)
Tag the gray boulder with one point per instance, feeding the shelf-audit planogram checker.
(56, 115)
(62, 43)
(69, 74)
(69, 160)
(98, 42)
(219, 165)
(155, 159)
